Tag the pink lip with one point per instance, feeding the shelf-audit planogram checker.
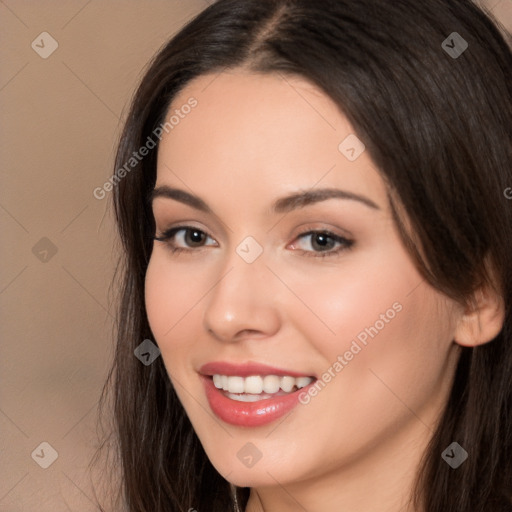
(248, 414)
(245, 370)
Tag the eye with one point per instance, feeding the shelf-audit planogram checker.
(193, 240)
(324, 241)
(190, 236)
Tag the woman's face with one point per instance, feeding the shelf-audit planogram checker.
(265, 305)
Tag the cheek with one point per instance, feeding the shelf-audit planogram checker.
(170, 296)
(160, 301)
(381, 331)
(389, 357)
(361, 299)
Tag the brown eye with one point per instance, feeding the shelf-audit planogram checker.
(194, 236)
(183, 238)
(323, 243)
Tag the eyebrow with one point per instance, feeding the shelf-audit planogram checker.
(283, 205)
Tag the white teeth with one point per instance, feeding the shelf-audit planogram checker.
(271, 384)
(303, 381)
(247, 397)
(217, 381)
(235, 384)
(256, 384)
(287, 383)
(253, 384)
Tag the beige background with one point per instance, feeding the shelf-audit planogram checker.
(61, 117)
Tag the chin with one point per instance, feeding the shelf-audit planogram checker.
(257, 473)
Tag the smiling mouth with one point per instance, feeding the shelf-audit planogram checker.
(255, 387)
(252, 399)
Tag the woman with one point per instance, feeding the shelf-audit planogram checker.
(317, 239)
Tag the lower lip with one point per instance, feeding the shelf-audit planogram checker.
(249, 414)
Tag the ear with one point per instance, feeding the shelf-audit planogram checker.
(482, 319)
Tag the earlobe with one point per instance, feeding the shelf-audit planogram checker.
(482, 319)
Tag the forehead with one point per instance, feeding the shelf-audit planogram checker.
(260, 131)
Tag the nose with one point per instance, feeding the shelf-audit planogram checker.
(243, 302)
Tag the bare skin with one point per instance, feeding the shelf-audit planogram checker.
(356, 445)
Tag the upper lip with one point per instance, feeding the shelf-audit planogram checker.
(246, 369)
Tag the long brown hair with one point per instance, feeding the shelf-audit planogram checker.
(437, 125)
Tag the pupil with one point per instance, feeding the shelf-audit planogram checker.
(196, 236)
(321, 240)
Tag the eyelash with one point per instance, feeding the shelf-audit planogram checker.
(168, 235)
